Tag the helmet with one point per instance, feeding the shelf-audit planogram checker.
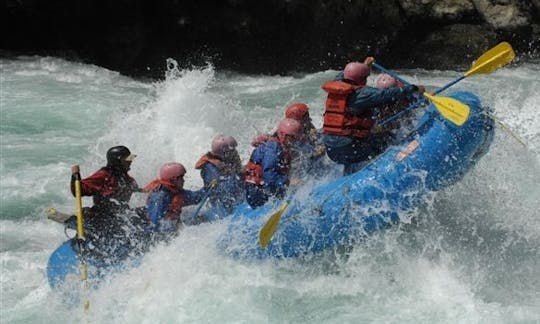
(288, 126)
(117, 154)
(386, 81)
(171, 170)
(222, 144)
(297, 111)
(357, 72)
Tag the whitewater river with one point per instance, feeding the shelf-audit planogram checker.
(471, 256)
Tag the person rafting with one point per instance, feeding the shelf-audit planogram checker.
(166, 197)
(267, 172)
(111, 226)
(308, 151)
(223, 175)
(348, 117)
(384, 112)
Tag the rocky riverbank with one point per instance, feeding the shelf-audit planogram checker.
(136, 37)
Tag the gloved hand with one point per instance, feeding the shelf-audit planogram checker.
(214, 183)
(369, 60)
(377, 129)
(421, 88)
(318, 151)
(295, 182)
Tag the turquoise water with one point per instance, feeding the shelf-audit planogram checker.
(472, 256)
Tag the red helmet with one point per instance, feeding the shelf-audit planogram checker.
(288, 126)
(297, 111)
(386, 81)
(222, 144)
(171, 170)
(357, 72)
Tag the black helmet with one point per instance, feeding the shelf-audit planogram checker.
(117, 154)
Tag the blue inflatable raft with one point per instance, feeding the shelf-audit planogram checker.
(346, 210)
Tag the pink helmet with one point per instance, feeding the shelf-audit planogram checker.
(171, 170)
(222, 144)
(386, 81)
(288, 126)
(297, 111)
(357, 72)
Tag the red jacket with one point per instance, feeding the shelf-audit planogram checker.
(107, 187)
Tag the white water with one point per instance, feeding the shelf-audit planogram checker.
(472, 256)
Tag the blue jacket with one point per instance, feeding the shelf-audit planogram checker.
(157, 205)
(270, 155)
(229, 190)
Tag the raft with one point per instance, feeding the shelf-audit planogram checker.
(345, 210)
(387, 191)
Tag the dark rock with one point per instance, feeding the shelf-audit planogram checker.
(267, 36)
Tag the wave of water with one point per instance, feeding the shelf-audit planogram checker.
(472, 255)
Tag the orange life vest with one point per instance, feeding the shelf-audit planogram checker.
(208, 158)
(177, 202)
(337, 121)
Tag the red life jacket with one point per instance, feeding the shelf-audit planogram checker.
(337, 121)
(254, 171)
(177, 202)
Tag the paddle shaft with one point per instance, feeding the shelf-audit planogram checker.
(78, 206)
(449, 84)
(80, 237)
(203, 201)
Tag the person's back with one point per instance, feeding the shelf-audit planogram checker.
(222, 174)
(267, 172)
(308, 153)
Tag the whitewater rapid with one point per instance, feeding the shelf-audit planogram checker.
(471, 256)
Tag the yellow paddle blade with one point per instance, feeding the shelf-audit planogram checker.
(493, 59)
(269, 228)
(451, 109)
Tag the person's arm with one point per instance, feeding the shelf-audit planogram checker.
(369, 97)
(193, 197)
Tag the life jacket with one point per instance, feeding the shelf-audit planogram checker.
(226, 169)
(108, 188)
(337, 121)
(177, 202)
(209, 158)
(254, 171)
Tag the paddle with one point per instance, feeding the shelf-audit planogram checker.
(204, 199)
(80, 233)
(494, 58)
(57, 216)
(270, 227)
